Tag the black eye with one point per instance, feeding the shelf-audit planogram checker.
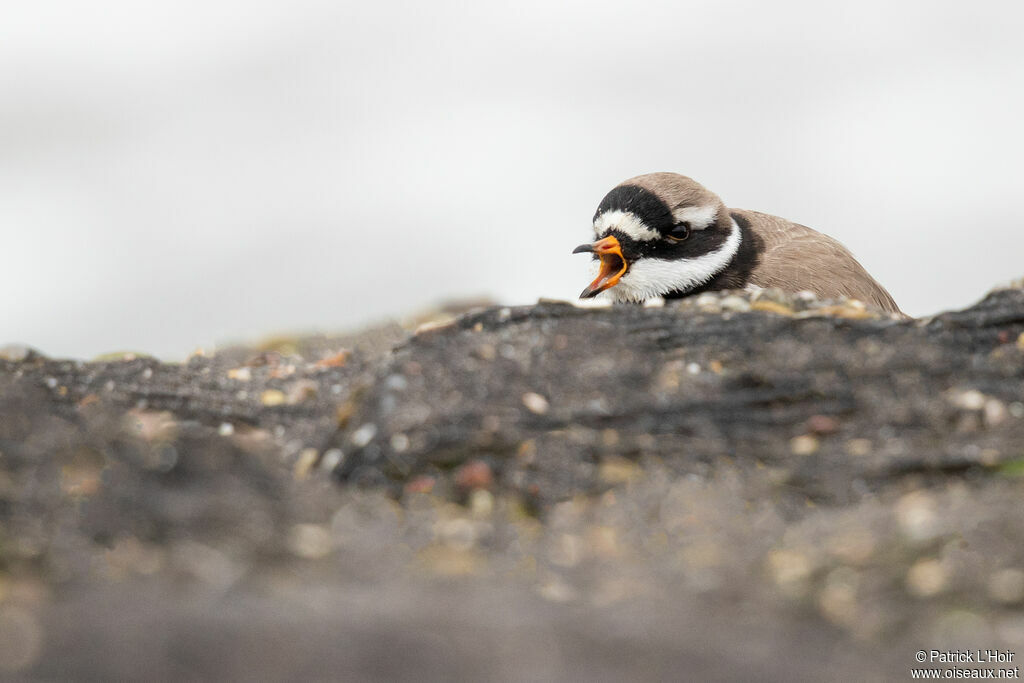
(680, 232)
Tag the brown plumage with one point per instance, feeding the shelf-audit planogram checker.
(795, 257)
(772, 251)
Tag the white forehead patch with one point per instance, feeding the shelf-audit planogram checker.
(651, 277)
(626, 222)
(699, 217)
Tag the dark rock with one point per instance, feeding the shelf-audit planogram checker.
(700, 491)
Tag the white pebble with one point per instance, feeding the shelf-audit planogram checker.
(706, 299)
(535, 403)
(399, 443)
(969, 400)
(995, 412)
(364, 435)
(331, 459)
(735, 303)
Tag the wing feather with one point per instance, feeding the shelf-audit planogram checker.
(795, 258)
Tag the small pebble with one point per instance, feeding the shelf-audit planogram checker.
(735, 303)
(838, 600)
(771, 307)
(917, 516)
(226, 429)
(617, 470)
(706, 299)
(301, 390)
(305, 463)
(336, 360)
(927, 578)
(995, 412)
(481, 503)
(822, 424)
(526, 453)
(243, 374)
(331, 459)
(804, 444)
(475, 474)
(272, 397)
(364, 435)
(535, 403)
(433, 326)
(88, 400)
(309, 541)
(789, 569)
(693, 368)
(853, 547)
(989, 457)
(968, 400)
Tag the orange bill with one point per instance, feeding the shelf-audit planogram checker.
(613, 265)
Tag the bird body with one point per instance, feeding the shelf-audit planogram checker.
(665, 235)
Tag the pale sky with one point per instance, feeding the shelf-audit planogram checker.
(179, 174)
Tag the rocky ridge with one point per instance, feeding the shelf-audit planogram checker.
(731, 485)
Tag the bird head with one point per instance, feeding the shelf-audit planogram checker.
(656, 235)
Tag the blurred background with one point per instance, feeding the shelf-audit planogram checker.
(179, 174)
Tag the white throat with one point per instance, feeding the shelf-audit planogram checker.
(652, 277)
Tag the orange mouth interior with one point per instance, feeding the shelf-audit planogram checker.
(613, 266)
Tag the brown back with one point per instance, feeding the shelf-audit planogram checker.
(796, 257)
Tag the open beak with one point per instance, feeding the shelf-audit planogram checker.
(613, 265)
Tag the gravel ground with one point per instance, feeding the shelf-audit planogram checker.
(733, 486)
